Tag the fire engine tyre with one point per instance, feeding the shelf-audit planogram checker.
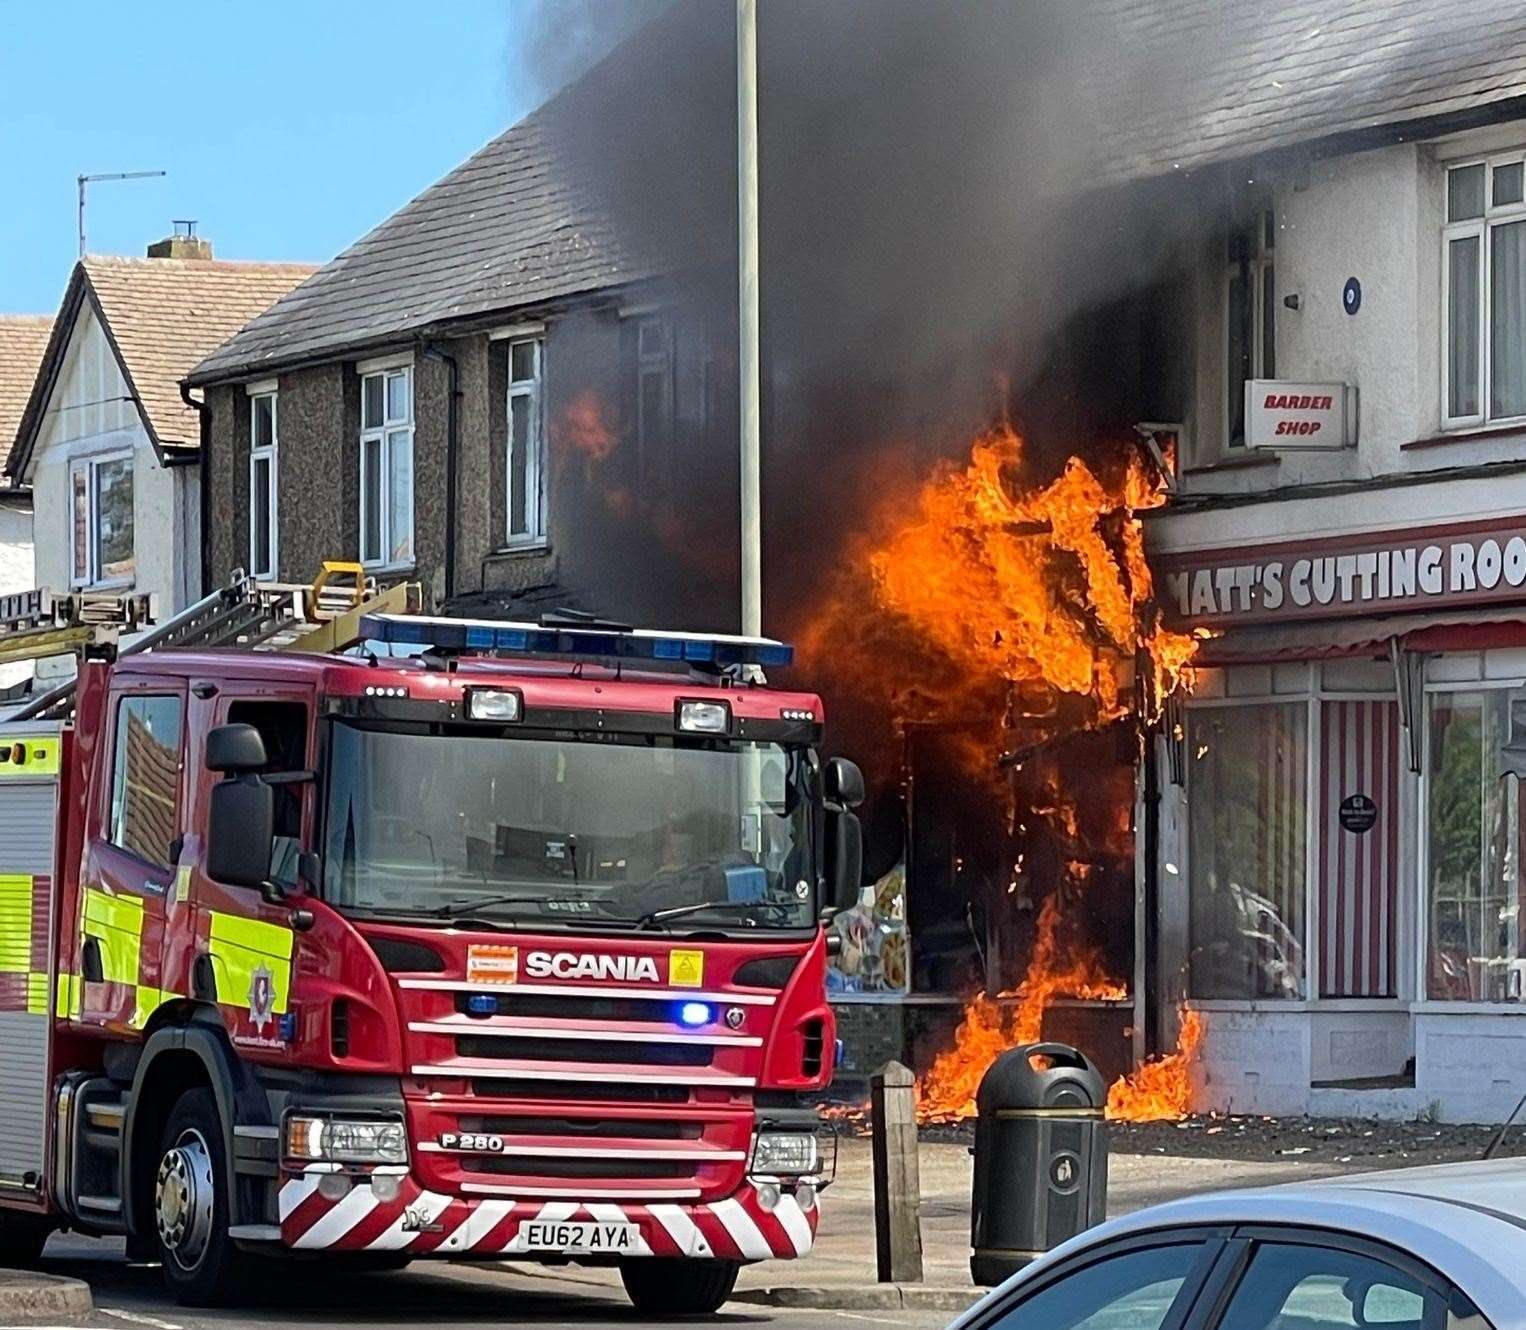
(201, 1264)
(21, 1240)
(678, 1287)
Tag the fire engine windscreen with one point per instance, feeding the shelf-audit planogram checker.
(569, 830)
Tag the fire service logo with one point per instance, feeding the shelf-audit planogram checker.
(262, 998)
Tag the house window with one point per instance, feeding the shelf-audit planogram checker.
(654, 395)
(263, 524)
(1484, 275)
(1247, 849)
(386, 468)
(101, 520)
(1252, 322)
(526, 443)
(1473, 834)
(145, 778)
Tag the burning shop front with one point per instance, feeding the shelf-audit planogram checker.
(1336, 880)
(992, 653)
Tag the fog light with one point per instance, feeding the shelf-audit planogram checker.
(785, 1153)
(334, 1186)
(704, 717)
(493, 704)
(695, 1014)
(768, 1196)
(386, 1186)
(805, 1194)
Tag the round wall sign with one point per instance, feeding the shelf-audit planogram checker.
(1358, 813)
(1351, 297)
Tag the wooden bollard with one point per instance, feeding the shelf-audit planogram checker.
(897, 1185)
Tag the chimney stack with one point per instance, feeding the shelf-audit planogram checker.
(183, 244)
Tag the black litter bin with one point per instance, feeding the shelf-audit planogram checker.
(1040, 1157)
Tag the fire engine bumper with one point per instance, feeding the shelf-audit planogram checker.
(744, 1227)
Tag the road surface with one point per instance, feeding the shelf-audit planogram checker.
(439, 1296)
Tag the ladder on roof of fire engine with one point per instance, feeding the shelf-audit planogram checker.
(321, 617)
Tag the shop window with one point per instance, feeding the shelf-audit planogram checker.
(1247, 850)
(1484, 276)
(1250, 303)
(1475, 948)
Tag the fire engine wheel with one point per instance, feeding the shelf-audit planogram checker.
(678, 1287)
(190, 1209)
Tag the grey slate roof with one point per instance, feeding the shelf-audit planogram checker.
(1201, 82)
(506, 228)
(1167, 86)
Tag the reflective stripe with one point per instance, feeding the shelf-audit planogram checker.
(149, 1001)
(116, 922)
(15, 923)
(41, 756)
(239, 946)
(37, 993)
(68, 999)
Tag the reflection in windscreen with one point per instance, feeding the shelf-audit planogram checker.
(597, 829)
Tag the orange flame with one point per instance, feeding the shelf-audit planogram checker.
(1161, 1087)
(583, 429)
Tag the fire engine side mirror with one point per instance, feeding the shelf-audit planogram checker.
(845, 858)
(240, 826)
(235, 748)
(844, 782)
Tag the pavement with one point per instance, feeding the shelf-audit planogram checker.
(836, 1282)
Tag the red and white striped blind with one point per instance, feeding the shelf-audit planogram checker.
(1359, 871)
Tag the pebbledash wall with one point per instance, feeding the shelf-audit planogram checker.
(1337, 886)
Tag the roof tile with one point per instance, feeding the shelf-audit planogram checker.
(23, 339)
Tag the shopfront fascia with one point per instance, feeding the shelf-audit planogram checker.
(1339, 885)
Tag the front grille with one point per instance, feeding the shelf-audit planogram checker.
(529, 1048)
(631, 1129)
(813, 1048)
(630, 1092)
(541, 1167)
(548, 1006)
(339, 1028)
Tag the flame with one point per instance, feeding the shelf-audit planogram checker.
(1058, 969)
(1161, 1087)
(1025, 599)
(583, 429)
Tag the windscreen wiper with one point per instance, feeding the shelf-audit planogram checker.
(678, 911)
(452, 908)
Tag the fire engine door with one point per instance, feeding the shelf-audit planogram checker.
(247, 941)
(131, 856)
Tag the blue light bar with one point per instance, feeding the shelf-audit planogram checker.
(532, 639)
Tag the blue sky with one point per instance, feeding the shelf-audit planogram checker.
(288, 129)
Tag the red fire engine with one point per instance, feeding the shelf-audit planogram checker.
(487, 939)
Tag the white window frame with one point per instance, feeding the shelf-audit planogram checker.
(1422, 939)
(269, 454)
(1265, 257)
(89, 466)
(532, 391)
(380, 434)
(1482, 228)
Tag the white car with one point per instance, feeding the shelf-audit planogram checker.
(1438, 1248)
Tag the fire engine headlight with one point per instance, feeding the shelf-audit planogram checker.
(785, 1154)
(494, 704)
(704, 717)
(346, 1141)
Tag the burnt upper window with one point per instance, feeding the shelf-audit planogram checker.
(1250, 302)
